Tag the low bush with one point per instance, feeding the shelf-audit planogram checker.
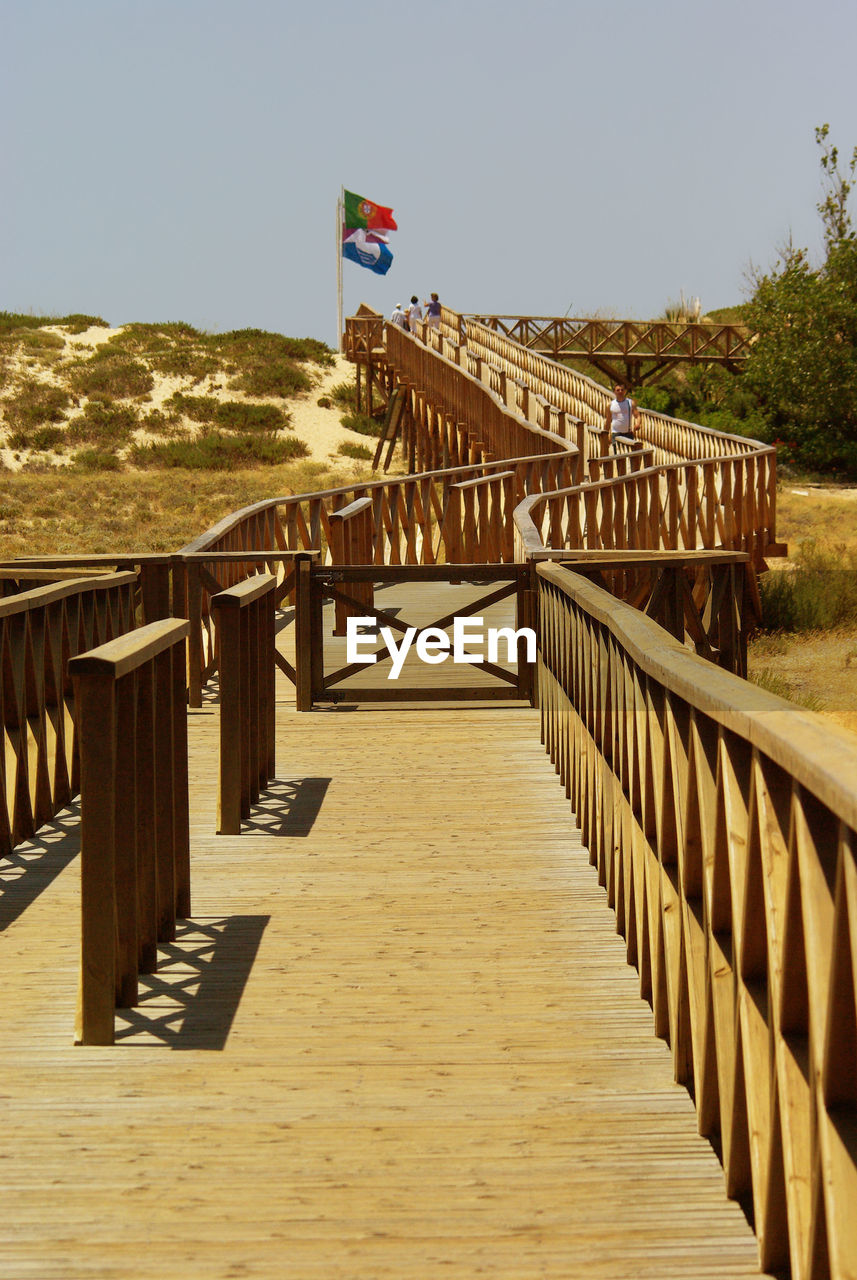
(344, 394)
(272, 377)
(216, 451)
(231, 415)
(12, 320)
(34, 403)
(197, 408)
(361, 423)
(349, 450)
(48, 438)
(96, 460)
(111, 373)
(104, 424)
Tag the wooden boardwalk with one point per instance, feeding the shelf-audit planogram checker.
(398, 1038)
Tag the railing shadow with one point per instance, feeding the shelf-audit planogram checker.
(191, 1002)
(33, 865)
(287, 808)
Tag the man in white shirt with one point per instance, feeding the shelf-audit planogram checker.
(399, 317)
(622, 418)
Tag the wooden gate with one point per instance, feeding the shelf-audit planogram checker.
(395, 599)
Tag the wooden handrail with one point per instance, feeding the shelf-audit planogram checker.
(131, 699)
(723, 823)
(245, 636)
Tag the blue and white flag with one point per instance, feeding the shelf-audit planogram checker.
(367, 249)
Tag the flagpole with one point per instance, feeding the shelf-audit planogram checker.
(339, 209)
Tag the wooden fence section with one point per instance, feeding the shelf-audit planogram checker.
(40, 630)
(725, 504)
(155, 596)
(246, 666)
(723, 822)
(131, 700)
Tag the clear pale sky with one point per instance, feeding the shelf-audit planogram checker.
(181, 159)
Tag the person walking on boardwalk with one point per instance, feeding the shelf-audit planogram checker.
(399, 316)
(433, 312)
(622, 418)
(415, 314)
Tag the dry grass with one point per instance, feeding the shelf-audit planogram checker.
(826, 516)
(817, 668)
(68, 512)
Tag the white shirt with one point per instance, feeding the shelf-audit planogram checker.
(620, 417)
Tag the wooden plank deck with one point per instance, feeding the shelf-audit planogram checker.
(398, 1038)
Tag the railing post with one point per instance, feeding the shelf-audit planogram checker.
(165, 794)
(231, 728)
(194, 640)
(303, 633)
(181, 819)
(94, 699)
(155, 590)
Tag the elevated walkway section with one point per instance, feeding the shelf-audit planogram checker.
(398, 1038)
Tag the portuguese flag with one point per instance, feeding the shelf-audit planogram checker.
(360, 212)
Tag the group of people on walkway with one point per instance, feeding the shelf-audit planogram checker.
(411, 316)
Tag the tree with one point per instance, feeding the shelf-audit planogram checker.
(804, 361)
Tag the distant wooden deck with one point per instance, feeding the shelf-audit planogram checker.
(398, 1038)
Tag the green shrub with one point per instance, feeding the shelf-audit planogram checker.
(197, 408)
(34, 403)
(12, 320)
(104, 424)
(215, 451)
(231, 415)
(362, 423)
(344, 394)
(349, 450)
(111, 373)
(48, 438)
(246, 347)
(235, 415)
(277, 377)
(97, 460)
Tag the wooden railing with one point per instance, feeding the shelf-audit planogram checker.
(723, 503)
(131, 701)
(39, 631)
(246, 666)
(620, 345)
(723, 823)
(155, 594)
